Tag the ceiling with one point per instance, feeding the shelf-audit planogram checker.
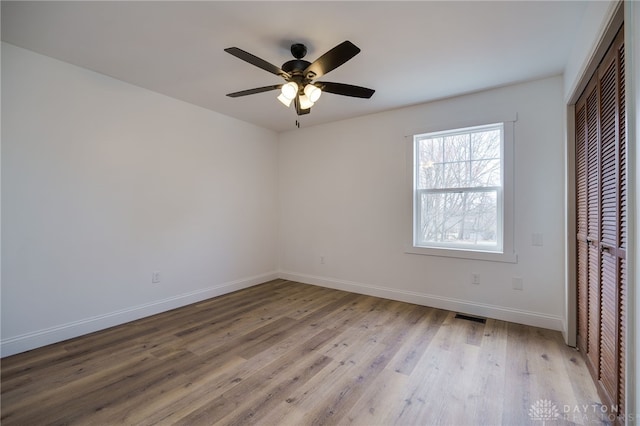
(412, 52)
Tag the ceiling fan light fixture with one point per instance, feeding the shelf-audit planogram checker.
(305, 102)
(312, 92)
(285, 101)
(299, 76)
(290, 90)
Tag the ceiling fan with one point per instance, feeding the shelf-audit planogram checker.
(300, 75)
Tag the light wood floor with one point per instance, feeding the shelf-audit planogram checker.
(286, 353)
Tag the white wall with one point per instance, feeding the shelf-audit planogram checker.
(103, 183)
(345, 196)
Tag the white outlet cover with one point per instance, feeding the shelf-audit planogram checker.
(517, 283)
(536, 240)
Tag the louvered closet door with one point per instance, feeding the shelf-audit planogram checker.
(621, 253)
(601, 225)
(581, 228)
(588, 197)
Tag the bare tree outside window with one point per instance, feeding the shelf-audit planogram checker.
(458, 188)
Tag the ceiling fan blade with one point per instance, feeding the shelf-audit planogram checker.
(254, 60)
(345, 89)
(254, 91)
(332, 59)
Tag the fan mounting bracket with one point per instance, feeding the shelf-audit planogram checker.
(298, 50)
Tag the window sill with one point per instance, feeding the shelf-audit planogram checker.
(464, 254)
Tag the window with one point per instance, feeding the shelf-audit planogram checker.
(461, 199)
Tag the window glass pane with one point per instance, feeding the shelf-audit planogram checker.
(430, 169)
(485, 173)
(461, 218)
(485, 144)
(456, 148)
(460, 160)
(456, 175)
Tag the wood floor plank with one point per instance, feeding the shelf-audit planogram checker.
(440, 376)
(222, 380)
(581, 409)
(419, 338)
(285, 353)
(181, 401)
(489, 374)
(71, 372)
(260, 395)
(350, 313)
(89, 395)
(376, 405)
(339, 385)
(517, 375)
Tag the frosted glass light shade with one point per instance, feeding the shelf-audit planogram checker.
(285, 101)
(312, 92)
(290, 90)
(305, 102)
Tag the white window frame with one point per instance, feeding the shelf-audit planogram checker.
(505, 251)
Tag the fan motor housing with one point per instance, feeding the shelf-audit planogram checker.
(295, 66)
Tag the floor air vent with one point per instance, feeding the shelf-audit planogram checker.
(471, 318)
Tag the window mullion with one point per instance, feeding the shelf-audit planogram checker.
(460, 190)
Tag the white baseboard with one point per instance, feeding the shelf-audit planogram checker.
(36, 339)
(534, 319)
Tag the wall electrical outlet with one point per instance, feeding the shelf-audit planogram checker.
(155, 277)
(322, 260)
(475, 279)
(536, 240)
(516, 283)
